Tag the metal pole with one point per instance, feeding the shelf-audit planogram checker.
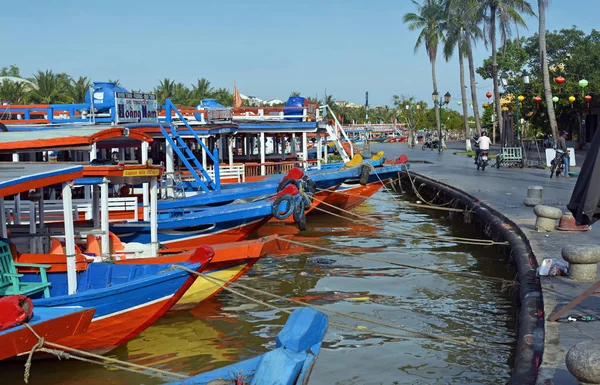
(104, 236)
(145, 186)
(440, 129)
(518, 125)
(69, 238)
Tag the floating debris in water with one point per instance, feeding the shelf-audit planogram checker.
(358, 299)
(322, 261)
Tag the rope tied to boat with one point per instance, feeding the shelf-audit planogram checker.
(465, 341)
(65, 352)
(505, 282)
(407, 232)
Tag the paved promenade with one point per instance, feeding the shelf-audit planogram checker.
(504, 190)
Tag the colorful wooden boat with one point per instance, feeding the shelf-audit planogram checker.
(52, 324)
(290, 363)
(127, 298)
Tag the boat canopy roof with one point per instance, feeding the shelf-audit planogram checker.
(67, 138)
(282, 127)
(20, 177)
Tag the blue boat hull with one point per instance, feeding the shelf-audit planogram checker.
(127, 299)
(290, 363)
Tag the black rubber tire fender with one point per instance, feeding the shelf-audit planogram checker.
(364, 174)
(284, 183)
(300, 215)
(279, 200)
(3, 127)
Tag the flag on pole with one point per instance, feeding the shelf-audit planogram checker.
(237, 98)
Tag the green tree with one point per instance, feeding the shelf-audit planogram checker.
(202, 90)
(459, 15)
(295, 93)
(182, 95)
(429, 20)
(165, 90)
(78, 88)
(116, 81)
(50, 87)
(11, 70)
(14, 91)
(542, 4)
(503, 14)
(223, 96)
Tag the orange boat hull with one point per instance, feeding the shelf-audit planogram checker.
(354, 196)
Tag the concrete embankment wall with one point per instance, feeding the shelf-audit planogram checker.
(529, 301)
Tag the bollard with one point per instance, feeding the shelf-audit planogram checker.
(568, 223)
(546, 217)
(583, 261)
(583, 361)
(534, 196)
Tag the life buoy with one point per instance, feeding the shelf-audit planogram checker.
(289, 199)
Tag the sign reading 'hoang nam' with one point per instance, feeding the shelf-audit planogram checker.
(133, 107)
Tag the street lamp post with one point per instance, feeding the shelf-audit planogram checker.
(515, 90)
(436, 96)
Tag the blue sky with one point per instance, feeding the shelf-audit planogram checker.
(269, 48)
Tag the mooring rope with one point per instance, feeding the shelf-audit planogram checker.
(376, 222)
(387, 200)
(66, 352)
(411, 333)
(421, 197)
(465, 274)
(465, 341)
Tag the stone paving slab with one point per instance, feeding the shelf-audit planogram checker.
(504, 189)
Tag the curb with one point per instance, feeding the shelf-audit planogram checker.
(530, 318)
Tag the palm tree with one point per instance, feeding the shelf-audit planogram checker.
(505, 13)
(202, 90)
(223, 96)
(429, 19)
(14, 91)
(456, 38)
(295, 93)
(116, 81)
(78, 89)
(165, 90)
(50, 87)
(542, 5)
(182, 95)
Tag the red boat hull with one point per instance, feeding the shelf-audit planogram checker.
(354, 196)
(22, 339)
(231, 235)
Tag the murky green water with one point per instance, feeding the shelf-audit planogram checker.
(229, 328)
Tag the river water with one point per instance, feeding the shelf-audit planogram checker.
(229, 328)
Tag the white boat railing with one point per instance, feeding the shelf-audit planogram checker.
(53, 209)
(229, 172)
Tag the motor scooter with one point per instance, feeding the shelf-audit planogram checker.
(482, 160)
(430, 144)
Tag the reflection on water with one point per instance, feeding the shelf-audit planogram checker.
(229, 328)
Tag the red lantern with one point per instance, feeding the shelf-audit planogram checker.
(538, 100)
(489, 95)
(560, 81)
(588, 99)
